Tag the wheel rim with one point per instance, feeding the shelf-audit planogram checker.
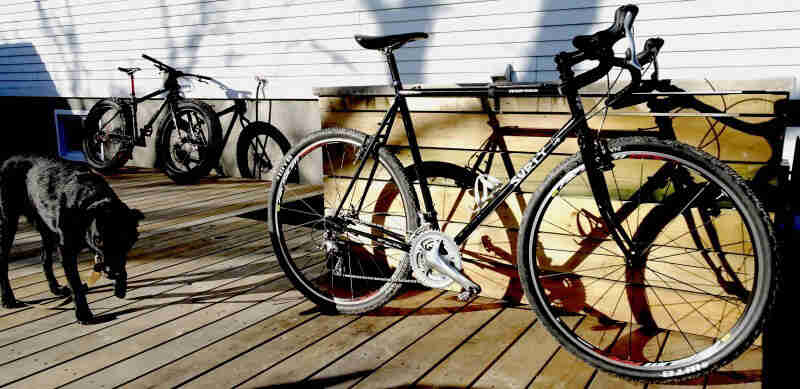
(338, 276)
(666, 314)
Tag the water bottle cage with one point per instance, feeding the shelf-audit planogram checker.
(484, 190)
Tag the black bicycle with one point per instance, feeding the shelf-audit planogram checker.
(260, 145)
(189, 137)
(677, 273)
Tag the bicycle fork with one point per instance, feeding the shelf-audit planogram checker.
(597, 159)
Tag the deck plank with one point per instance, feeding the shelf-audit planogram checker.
(256, 359)
(469, 361)
(195, 311)
(144, 247)
(370, 356)
(159, 198)
(342, 342)
(35, 286)
(523, 360)
(255, 307)
(261, 333)
(149, 311)
(565, 370)
(415, 361)
(155, 269)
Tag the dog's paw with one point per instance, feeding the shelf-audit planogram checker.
(10, 304)
(61, 291)
(84, 317)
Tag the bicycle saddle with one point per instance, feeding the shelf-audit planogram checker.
(388, 41)
(129, 71)
(605, 38)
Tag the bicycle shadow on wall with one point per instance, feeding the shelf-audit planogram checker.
(30, 92)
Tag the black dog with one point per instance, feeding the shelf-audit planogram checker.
(72, 208)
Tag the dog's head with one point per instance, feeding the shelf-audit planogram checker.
(112, 233)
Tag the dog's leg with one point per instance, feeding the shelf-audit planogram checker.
(8, 228)
(69, 260)
(48, 248)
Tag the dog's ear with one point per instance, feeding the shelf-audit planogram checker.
(136, 214)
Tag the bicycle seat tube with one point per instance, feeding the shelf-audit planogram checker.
(429, 215)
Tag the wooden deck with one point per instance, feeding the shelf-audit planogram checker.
(208, 306)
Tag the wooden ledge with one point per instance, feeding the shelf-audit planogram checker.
(771, 84)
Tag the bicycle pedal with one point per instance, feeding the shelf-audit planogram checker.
(468, 294)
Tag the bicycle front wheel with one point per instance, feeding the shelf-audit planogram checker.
(259, 150)
(693, 299)
(331, 246)
(189, 144)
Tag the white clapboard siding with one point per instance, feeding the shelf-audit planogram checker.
(73, 47)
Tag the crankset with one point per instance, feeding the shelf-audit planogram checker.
(436, 262)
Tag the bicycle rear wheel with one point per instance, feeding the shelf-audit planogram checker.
(697, 295)
(341, 263)
(106, 128)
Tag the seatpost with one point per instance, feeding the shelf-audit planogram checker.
(133, 88)
(135, 113)
(390, 60)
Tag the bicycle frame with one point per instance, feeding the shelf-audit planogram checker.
(239, 108)
(140, 133)
(590, 148)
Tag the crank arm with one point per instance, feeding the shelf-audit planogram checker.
(435, 260)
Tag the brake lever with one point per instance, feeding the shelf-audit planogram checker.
(629, 63)
(634, 60)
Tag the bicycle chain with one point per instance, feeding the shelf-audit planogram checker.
(423, 228)
(368, 278)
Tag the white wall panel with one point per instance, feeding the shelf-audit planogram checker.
(73, 47)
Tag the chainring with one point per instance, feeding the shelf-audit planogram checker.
(423, 241)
